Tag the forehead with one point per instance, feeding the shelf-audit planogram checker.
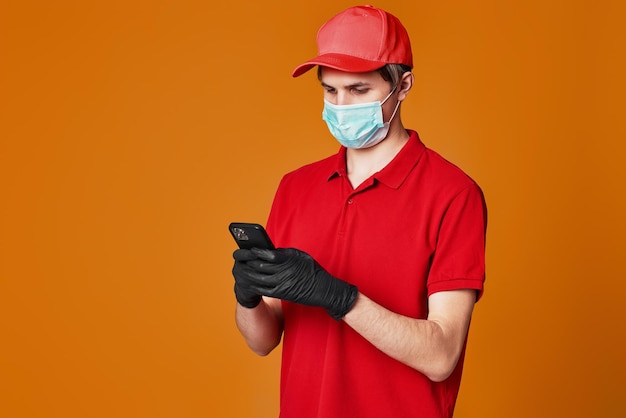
(337, 78)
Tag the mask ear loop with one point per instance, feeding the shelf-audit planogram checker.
(397, 104)
(394, 111)
(389, 95)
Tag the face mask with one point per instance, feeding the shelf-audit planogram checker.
(357, 125)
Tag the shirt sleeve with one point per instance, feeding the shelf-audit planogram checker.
(459, 258)
(277, 219)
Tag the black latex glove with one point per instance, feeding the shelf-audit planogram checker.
(293, 275)
(245, 296)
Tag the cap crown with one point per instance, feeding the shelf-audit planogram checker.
(360, 39)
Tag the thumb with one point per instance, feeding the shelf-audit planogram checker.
(243, 255)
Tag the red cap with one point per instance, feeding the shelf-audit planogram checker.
(360, 39)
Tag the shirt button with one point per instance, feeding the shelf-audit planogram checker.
(350, 201)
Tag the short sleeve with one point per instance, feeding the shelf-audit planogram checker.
(459, 258)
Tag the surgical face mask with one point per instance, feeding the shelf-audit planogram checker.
(358, 125)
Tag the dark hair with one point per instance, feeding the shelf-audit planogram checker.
(393, 73)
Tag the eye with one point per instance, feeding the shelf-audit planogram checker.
(330, 90)
(360, 90)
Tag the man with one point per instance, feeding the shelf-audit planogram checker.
(381, 247)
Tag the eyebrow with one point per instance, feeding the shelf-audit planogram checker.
(349, 86)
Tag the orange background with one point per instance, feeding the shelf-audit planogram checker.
(133, 132)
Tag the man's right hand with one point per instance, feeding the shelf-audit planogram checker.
(246, 297)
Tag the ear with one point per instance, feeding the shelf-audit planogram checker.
(406, 82)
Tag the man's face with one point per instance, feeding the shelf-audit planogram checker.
(342, 88)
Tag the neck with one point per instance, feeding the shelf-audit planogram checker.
(363, 163)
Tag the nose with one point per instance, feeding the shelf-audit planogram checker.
(342, 98)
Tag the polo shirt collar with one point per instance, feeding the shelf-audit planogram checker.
(394, 173)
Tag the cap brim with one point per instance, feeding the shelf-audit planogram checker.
(339, 62)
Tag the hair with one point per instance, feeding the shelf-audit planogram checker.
(392, 73)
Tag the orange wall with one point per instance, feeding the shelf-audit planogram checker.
(133, 132)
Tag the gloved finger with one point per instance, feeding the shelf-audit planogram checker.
(279, 255)
(265, 267)
(243, 255)
(265, 254)
(241, 272)
(258, 281)
(244, 273)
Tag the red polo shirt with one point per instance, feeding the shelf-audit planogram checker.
(415, 228)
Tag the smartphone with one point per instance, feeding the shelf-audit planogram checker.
(249, 235)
